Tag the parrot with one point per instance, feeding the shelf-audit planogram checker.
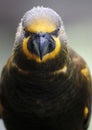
(45, 84)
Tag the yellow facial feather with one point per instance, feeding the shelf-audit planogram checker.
(27, 52)
(44, 26)
(47, 56)
(41, 25)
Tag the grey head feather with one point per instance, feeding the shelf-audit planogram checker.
(37, 13)
(41, 12)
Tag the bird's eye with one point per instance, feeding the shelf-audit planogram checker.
(27, 33)
(55, 33)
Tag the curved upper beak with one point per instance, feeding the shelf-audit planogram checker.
(41, 44)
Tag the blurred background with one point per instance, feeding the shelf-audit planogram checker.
(77, 17)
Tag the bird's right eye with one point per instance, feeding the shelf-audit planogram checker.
(27, 33)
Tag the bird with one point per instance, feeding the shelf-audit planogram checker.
(45, 84)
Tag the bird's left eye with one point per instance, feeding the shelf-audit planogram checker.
(27, 33)
(55, 33)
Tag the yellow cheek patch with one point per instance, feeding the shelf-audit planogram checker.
(42, 25)
(48, 56)
(86, 111)
(85, 72)
(27, 52)
(55, 52)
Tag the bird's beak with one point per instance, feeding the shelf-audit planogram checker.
(43, 47)
(41, 44)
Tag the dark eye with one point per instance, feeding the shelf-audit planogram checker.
(27, 33)
(55, 33)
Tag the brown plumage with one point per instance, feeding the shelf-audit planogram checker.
(44, 84)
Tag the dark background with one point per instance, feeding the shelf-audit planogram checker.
(77, 17)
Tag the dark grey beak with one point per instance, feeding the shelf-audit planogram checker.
(41, 44)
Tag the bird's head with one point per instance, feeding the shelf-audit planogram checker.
(41, 35)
